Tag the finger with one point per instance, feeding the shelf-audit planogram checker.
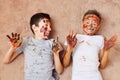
(53, 41)
(57, 39)
(70, 32)
(12, 35)
(75, 39)
(11, 40)
(15, 35)
(105, 39)
(18, 36)
(74, 35)
(113, 38)
(68, 35)
(8, 36)
(21, 39)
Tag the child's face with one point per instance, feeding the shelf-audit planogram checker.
(43, 29)
(90, 24)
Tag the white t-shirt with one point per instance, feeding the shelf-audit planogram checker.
(85, 57)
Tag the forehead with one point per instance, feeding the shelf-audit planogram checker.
(45, 20)
(94, 17)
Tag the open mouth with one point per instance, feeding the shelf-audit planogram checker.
(46, 33)
(90, 30)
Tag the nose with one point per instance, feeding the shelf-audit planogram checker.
(90, 26)
(49, 28)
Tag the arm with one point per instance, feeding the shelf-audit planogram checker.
(56, 49)
(11, 54)
(67, 57)
(103, 58)
(71, 41)
(105, 51)
(58, 64)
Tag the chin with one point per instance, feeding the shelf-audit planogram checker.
(45, 37)
(90, 33)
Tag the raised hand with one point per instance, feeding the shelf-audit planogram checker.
(56, 46)
(109, 43)
(71, 39)
(14, 39)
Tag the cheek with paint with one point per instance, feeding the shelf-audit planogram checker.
(43, 30)
(84, 25)
(96, 20)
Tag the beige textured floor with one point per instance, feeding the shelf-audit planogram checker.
(66, 15)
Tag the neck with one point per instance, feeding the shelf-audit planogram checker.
(38, 37)
(88, 34)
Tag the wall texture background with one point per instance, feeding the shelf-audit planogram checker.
(66, 15)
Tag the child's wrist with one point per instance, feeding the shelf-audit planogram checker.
(56, 54)
(70, 48)
(13, 48)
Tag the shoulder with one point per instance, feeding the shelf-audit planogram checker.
(25, 40)
(51, 39)
(99, 37)
(79, 36)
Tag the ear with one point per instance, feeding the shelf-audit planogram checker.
(34, 27)
(99, 26)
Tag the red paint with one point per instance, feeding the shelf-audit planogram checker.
(44, 30)
(84, 26)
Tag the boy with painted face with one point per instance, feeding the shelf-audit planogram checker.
(41, 59)
(88, 51)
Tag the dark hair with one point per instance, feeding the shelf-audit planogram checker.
(36, 18)
(94, 12)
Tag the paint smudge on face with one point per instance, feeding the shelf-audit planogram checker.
(90, 24)
(44, 31)
(84, 26)
(92, 17)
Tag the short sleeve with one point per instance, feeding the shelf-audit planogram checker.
(102, 42)
(20, 49)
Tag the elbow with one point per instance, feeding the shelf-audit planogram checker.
(6, 61)
(60, 72)
(66, 65)
(102, 66)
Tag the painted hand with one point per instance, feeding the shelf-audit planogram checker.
(15, 39)
(109, 43)
(55, 47)
(71, 39)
